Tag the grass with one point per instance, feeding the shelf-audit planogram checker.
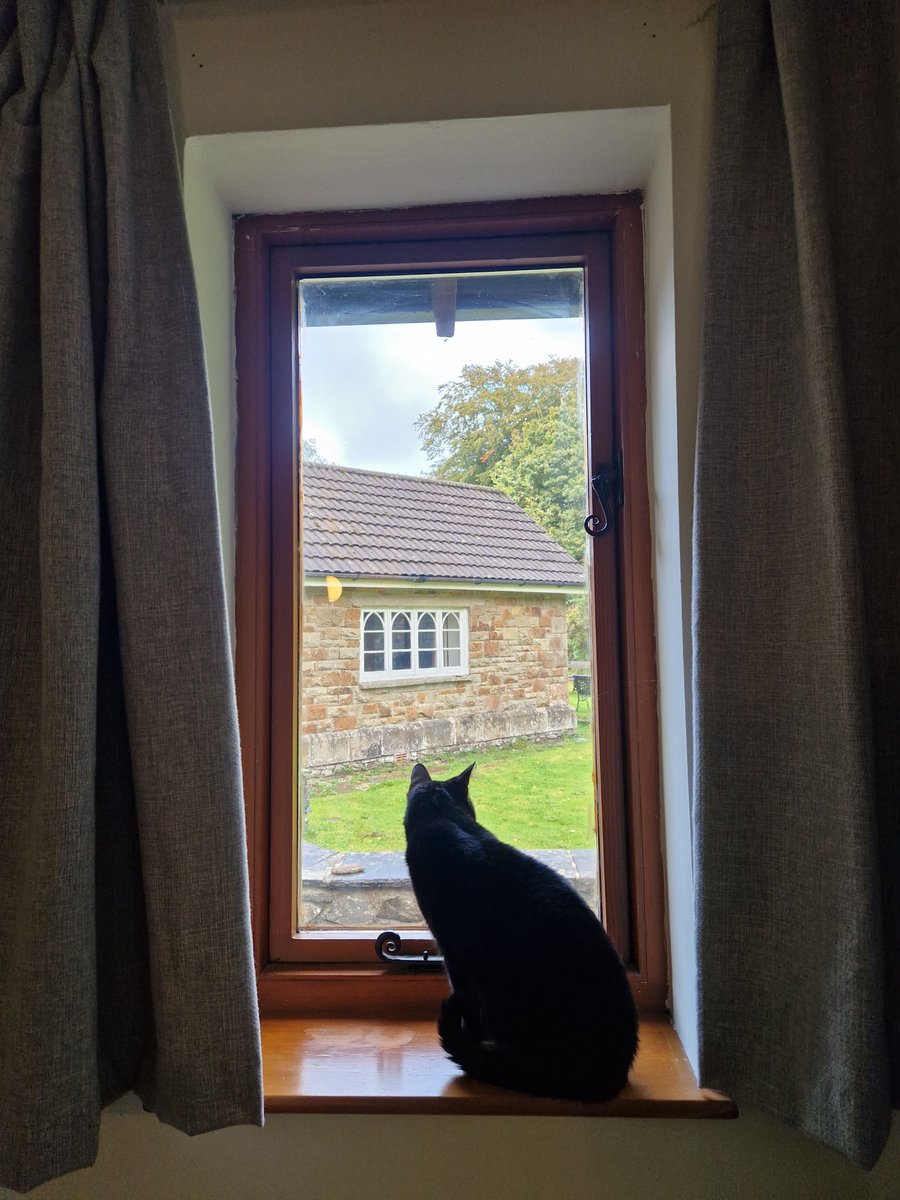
(536, 795)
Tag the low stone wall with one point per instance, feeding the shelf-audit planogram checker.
(373, 891)
(324, 753)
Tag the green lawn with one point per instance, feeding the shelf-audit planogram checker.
(537, 795)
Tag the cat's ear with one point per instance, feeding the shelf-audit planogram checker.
(462, 779)
(419, 775)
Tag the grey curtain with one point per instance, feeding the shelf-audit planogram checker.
(125, 958)
(797, 572)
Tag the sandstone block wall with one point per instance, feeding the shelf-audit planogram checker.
(516, 685)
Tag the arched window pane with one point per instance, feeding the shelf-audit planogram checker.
(427, 641)
(451, 641)
(401, 642)
(373, 642)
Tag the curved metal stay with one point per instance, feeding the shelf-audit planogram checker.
(388, 947)
(606, 484)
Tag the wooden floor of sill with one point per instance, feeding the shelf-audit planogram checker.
(352, 1065)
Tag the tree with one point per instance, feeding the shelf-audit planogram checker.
(311, 453)
(517, 429)
(543, 471)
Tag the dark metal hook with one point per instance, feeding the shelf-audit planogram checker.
(606, 484)
(388, 946)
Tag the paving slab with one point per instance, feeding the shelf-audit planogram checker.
(585, 863)
(558, 860)
(379, 867)
(387, 868)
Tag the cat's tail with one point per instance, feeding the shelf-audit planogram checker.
(496, 1064)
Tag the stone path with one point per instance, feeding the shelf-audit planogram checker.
(373, 889)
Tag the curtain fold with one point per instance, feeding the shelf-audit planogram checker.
(125, 954)
(797, 573)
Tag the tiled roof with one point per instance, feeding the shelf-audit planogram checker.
(373, 525)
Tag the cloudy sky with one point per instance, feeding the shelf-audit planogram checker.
(364, 385)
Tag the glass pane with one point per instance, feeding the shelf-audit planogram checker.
(451, 641)
(427, 642)
(373, 637)
(453, 498)
(401, 632)
(401, 643)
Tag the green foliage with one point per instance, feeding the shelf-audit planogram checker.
(517, 429)
(543, 471)
(577, 629)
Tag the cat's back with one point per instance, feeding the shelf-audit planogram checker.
(504, 904)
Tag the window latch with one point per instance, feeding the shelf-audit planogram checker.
(388, 946)
(606, 484)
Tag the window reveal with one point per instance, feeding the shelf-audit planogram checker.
(412, 644)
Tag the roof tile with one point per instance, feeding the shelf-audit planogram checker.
(372, 524)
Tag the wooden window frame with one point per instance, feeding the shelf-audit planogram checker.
(632, 876)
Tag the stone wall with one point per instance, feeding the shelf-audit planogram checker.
(516, 686)
(350, 890)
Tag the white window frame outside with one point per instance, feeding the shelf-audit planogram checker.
(439, 671)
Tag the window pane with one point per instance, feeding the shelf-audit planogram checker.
(401, 642)
(373, 633)
(451, 641)
(478, 573)
(427, 642)
(373, 642)
(373, 621)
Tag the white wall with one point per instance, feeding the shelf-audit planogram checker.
(247, 65)
(209, 226)
(469, 1158)
(487, 158)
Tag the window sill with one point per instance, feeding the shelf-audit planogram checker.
(357, 1065)
(367, 683)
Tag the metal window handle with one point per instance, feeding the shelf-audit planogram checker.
(606, 484)
(388, 947)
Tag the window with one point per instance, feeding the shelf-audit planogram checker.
(413, 652)
(397, 627)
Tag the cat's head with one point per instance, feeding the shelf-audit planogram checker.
(429, 797)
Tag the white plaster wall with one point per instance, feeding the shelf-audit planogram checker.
(209, 229)
(671, 589)
(493, 158)
(469, 1158)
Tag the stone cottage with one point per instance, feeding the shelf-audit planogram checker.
(433, 616)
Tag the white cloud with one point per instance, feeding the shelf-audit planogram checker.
(364, 385)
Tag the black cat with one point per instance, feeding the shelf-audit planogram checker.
(540, 999)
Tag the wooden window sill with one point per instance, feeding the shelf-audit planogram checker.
(362, 1065)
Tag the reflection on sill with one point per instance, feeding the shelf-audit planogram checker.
(363, 1065)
